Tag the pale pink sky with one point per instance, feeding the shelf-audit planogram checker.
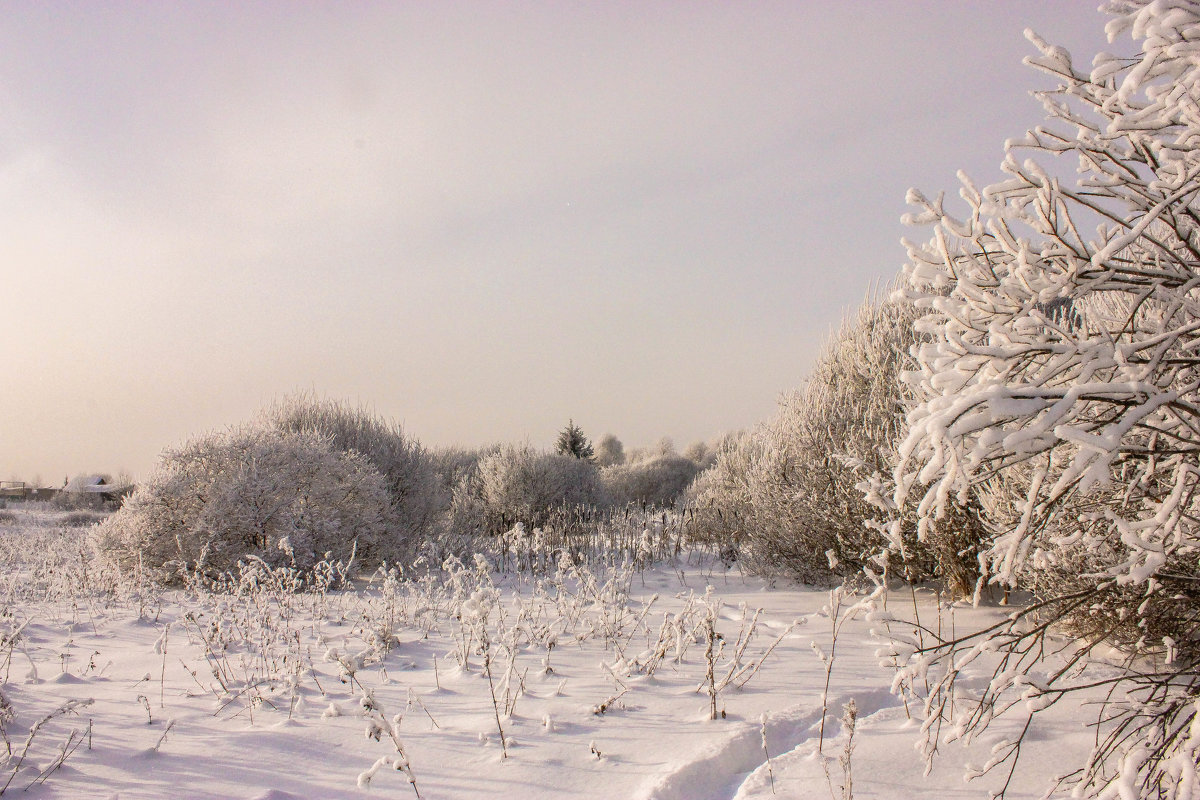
(481, 219)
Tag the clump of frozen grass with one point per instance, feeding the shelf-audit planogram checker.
(839, 614)
(82, 518)
(487, 668)
(597, 536)
(379, 725)
(766, 752)
(711, 654)
(256, 629)
(7, 714)
(849, 721)
(13, 762)
(614, 701)
(163, 738)
(47, 561)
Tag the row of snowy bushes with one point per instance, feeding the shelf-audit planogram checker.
(511, 484)
(316, 479)
(313, 480)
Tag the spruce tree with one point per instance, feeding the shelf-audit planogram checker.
(572, 442)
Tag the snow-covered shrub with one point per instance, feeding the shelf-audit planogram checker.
(704, 454)
(1061, 382)
(719, 508)
(846, 419)
(418, 496)
(609, 451)
(284, 498)
(463, 518)
(746, 504)
(654, 482)
(786, 492)
(663, 447)
(456, 465)
(519, 484)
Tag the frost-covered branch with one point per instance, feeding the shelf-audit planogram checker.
(1059, 382)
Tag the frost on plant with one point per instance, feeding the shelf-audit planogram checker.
(784, 495)
(285, 499)
(1060, 381)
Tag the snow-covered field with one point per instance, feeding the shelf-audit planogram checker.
(599, 680)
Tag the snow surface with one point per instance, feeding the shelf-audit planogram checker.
(290, 724)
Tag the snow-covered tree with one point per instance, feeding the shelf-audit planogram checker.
(1061, 381)
(572, 442)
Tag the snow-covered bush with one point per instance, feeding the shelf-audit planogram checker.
(704, 454)
(520, 484)
(663, 447)
(655, 482)
(720, 511)
(1061, 382)
(785, 493)
(457, 470)
(455, 465)
(418, 496)
(609, 451)
(285, 498)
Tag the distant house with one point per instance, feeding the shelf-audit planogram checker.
(19, 490)
(92, 484)
(14, 490)
(95, 490)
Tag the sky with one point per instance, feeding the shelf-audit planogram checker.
(478, 219)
